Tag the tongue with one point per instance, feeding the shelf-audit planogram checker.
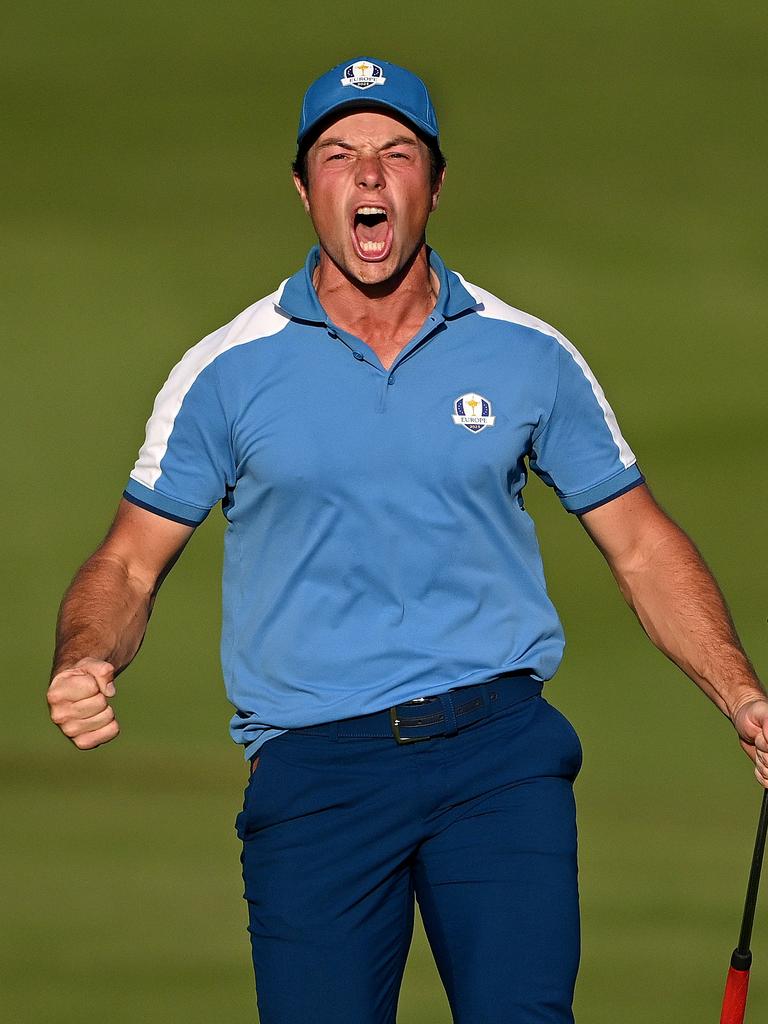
(377, 233)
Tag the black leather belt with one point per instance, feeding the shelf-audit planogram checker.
(441, 714)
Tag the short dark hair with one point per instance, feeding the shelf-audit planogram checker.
(436, 159)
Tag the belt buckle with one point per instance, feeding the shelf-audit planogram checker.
(394, 721)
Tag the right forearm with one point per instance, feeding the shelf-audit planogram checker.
(103, 615)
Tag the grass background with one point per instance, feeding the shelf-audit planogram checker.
(606, 172)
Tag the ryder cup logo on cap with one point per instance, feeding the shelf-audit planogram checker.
(364, 82)
(363, 75)
(473, 412)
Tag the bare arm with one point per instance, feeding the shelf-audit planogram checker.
(674, 595)
(103, 618)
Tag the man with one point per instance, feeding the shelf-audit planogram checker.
(386, 632)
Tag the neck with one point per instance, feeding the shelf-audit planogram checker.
(400, 304)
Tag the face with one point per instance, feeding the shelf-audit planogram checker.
(369, 194)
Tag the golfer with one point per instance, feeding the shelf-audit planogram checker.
(368, 429)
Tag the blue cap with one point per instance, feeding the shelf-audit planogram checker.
(365, 82)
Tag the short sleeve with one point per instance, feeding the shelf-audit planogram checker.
(579, 450)
(185, 465)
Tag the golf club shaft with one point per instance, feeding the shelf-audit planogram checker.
(745, 936)
(737, 984)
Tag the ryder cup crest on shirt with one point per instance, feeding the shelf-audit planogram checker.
(473, 412)
(363, 74)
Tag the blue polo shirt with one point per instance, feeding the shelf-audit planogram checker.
(377, 546)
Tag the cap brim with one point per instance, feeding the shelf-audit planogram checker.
(362, 103)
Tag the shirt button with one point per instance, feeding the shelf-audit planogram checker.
(358, 355)
(390, 380)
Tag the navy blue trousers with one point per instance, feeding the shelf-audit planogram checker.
(340, 834)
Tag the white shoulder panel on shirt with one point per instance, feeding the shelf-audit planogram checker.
(260, 320)
(495, 309)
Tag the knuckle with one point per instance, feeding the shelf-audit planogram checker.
(97, 668)
(95, 738)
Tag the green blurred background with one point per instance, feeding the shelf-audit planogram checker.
(606, 172)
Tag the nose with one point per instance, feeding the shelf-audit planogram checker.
(369, 172)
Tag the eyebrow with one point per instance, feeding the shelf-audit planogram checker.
(398, 140)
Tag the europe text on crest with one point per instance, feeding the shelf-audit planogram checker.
(363, 74)
(473, 412)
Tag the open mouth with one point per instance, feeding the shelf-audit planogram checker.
(372, 233)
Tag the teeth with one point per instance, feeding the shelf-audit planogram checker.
(371, 246)
(371, 211)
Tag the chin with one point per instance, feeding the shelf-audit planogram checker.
(375, 271)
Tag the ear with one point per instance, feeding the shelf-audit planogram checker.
(437, 190)
(301, 189)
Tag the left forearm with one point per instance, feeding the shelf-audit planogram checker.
(681, 608)
(675, 597)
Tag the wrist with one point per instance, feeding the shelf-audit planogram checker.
(81, 664)
(743, 699)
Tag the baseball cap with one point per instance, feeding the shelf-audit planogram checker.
(366, 82)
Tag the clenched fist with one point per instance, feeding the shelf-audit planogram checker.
(751, 723)
(77, 699)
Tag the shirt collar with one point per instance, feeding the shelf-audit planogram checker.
(299, 298)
